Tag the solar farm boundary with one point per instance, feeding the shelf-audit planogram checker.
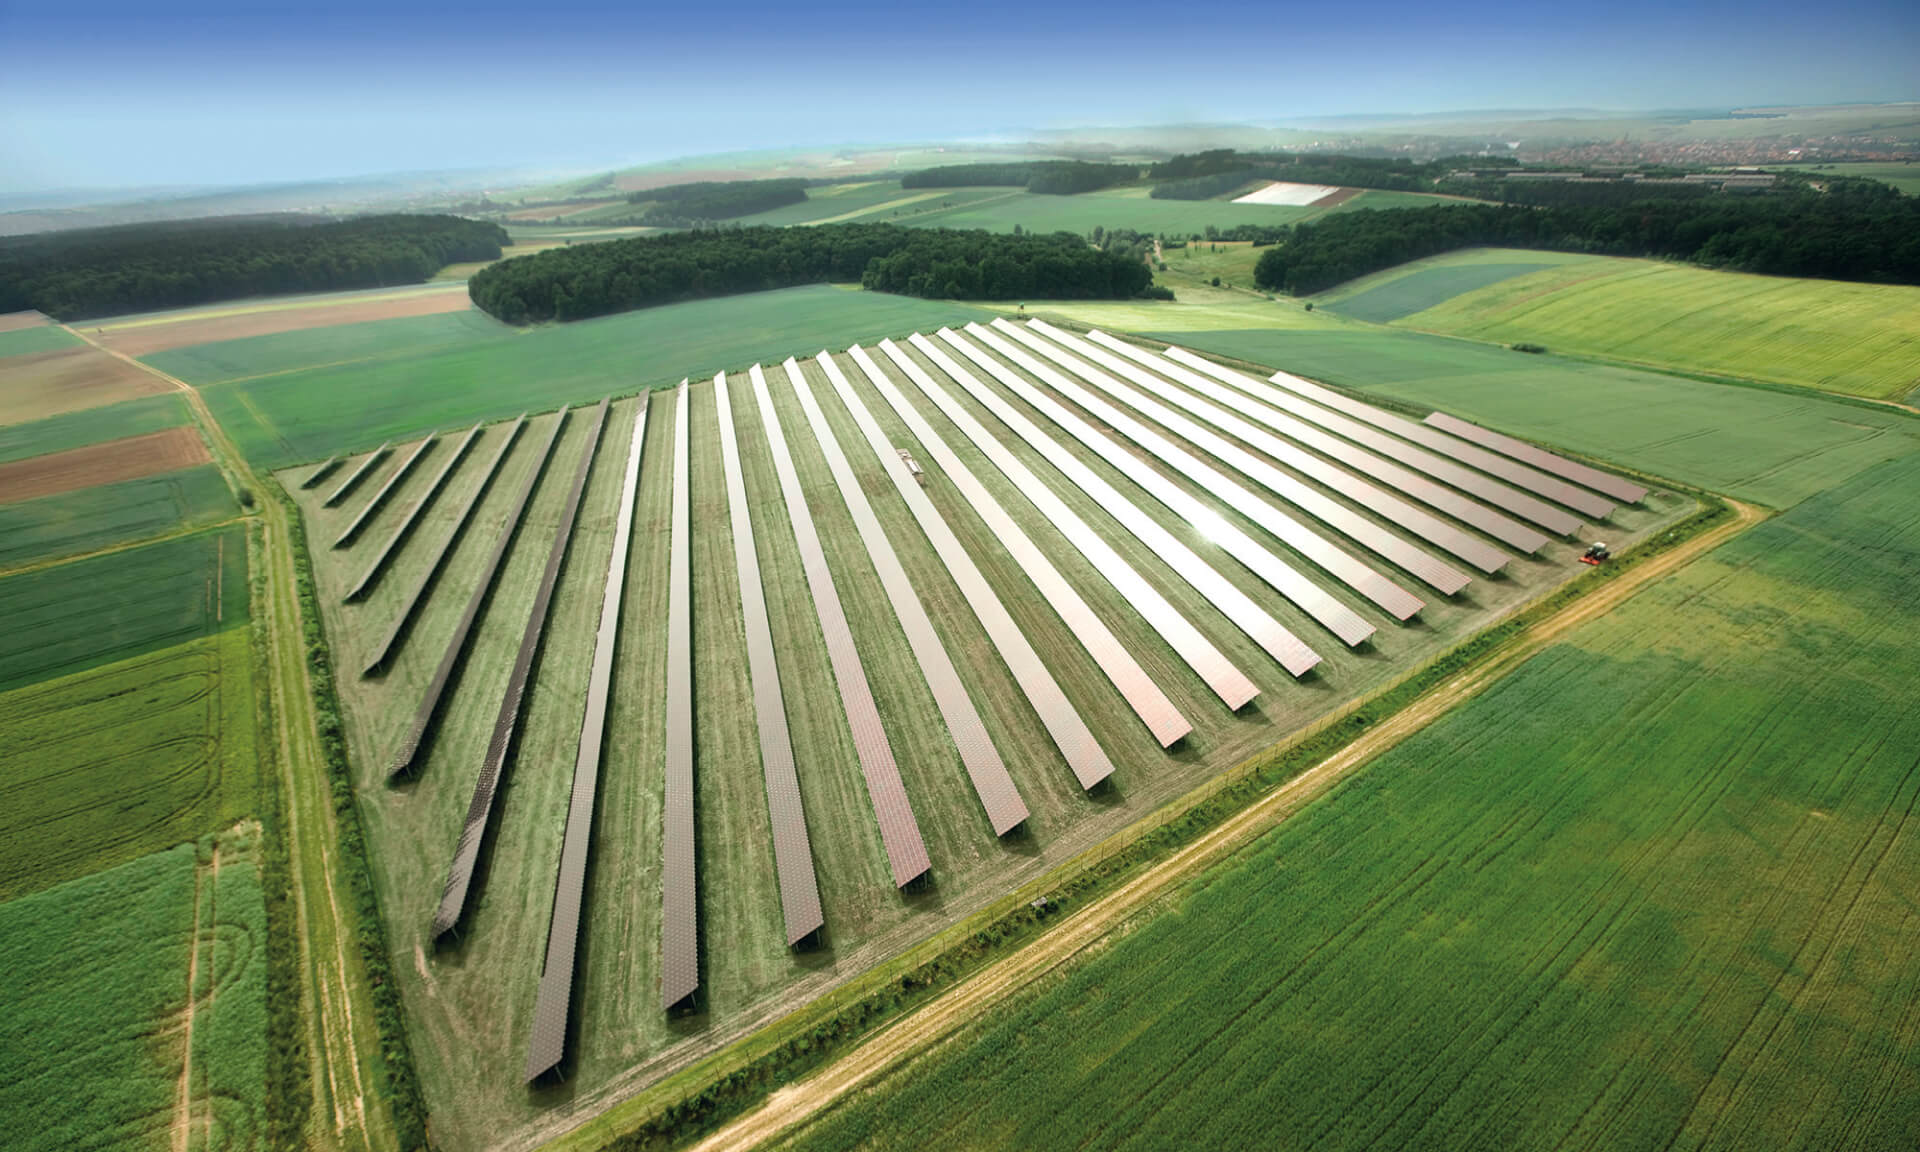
(379, 498)
(899, 831)
(322, 472)
(1327, 463)
(403, 760)
(553, 1001)
(1440, 575)
(792, 848)
(1296, 534)
(406, 526)
(1342, 621)
(1235, 605)
(414, 602)
(1084, 756)
(1207, 661)
(1539, 483)
(1146, 699)
(466, 852)
(1502, 496)
(988, 773)
(1605, 483)
(357, 475)
(679, 908)
(1470, 512)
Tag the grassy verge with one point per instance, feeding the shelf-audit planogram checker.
(703, 1096)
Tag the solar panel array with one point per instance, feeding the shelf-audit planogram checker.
(1139, 492)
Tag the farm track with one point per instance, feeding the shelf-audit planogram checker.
(976, 996)
(338, 1012)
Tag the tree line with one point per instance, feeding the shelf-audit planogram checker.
(686, 205)
(1845, 230)
(1049, 177)
(174, 264)
(1204, 175)
(598, 279)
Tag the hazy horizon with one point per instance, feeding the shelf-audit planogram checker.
(207, 93)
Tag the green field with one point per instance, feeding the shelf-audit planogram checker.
(24, 341)
(1392, 296)
(1905, 177)
(1773, 447)
(92, 426)
(1862, 339)
(306, 396)
(88, 519)
(468, 1005)
(1652, 890)
(1133, 208)
(94, 1035)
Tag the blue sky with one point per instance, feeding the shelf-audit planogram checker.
(119, 94)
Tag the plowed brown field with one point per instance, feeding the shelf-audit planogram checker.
(42, 384)
(147, 335)
(108, 463)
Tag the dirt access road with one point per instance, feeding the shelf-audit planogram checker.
(977, 995)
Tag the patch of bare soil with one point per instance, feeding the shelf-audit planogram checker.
(209, 327)
(168, 450)
(41, 384)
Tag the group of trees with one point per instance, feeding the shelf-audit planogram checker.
(597, 279)
(1844, 230)
(1052, 177)
(145, 267)
(687, 205)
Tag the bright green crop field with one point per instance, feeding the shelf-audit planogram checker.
(92, 426)
(1652, 890)
(88, 519)
(45, 338)
(93, 1039)
(1862, 339)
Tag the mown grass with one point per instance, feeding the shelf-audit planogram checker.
(1861, 339)
(1651, 889)
(92, 1039)
(88, 519)
(92, 426)
(1774, 446)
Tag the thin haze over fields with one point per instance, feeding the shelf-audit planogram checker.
(204, 92)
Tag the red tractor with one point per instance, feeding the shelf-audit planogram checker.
(1596, 555)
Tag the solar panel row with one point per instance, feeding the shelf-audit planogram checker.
(1342, 621)
(322, 472)
(988, 773)
(1207, 661)
(792, 850)
(357, 475)
(406, 526)
(1331, 513)
(1226, 415)
(679, 913)
(466, 852)
(379, 498)
(899, 832)
(1622, 490)
(1470, 512)
(1084, 756)
(554, 997)
(1146, 699)
(1235, 605)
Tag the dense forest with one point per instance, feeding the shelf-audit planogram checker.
(1051, 177)
(685, 205)
(147, 267)
(597, 279)
(1203, 175)
(1846, 230)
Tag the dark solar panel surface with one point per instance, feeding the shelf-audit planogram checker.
(1611, 485)
(405, 528)
(379, 499)
(679, 912)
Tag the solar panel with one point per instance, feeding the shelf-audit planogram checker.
(1146, 699)
(899, 832)
(1486, 488)
(379, 498)
(1228, 682)
(1133, 365)
(1435, 572)
(1235, 605)
(1070, 733)
(466, 852)
(406, 526)
(679, 913)
(1471, 512)
(792, 850)
(1622, 490)
(1349, 627)
(357, 475)
(1005, 810)
(321, 473)
(1519, 475)
(554, 998)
